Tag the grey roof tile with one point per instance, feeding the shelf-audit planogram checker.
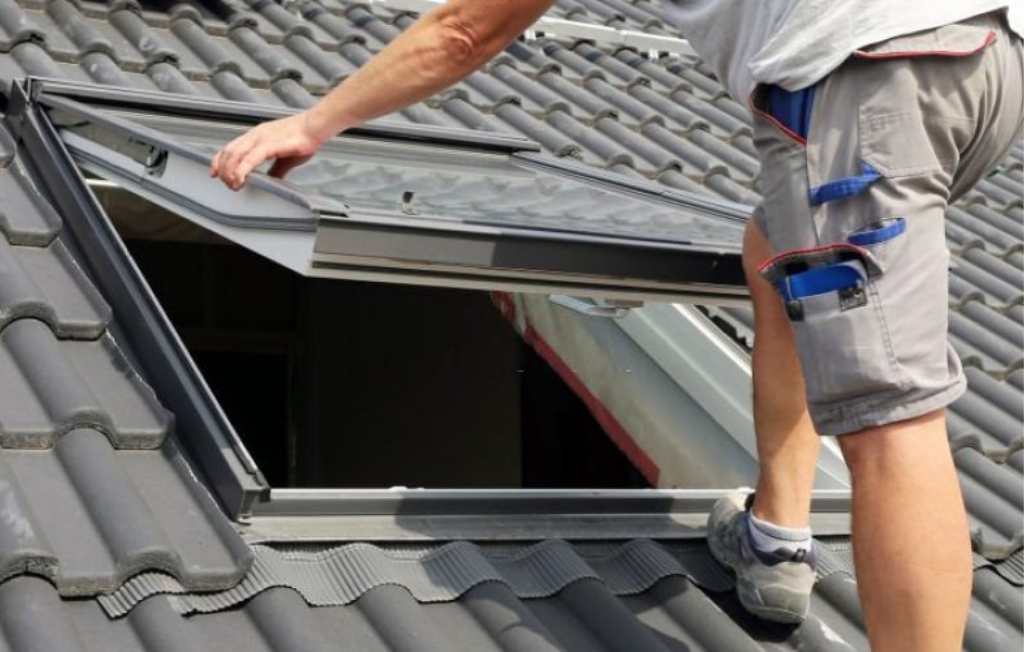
(995, 501)
(16, 27)
(988, 417)
(85, 35)
(88, 517)
(201, 54)
(1011, 569)
(270, 59)
(970, 277)
(103, 70)
(1016, 460)
(339, 30)
(979, 347)
(145, 40)
(170, 79)
(655, 156)
(54, 386)
(998, 266)
(672, 614)
(25, 218)
(47, 284)
(332, 69)
(995, 619)
(988, 235)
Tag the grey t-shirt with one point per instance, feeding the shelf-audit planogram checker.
(795, 43)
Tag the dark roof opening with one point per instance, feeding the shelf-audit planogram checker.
(347, 384)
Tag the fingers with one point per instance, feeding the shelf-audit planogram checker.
(240, 150)
(284, 165)
(247, 163)
(215, 164)
(282, 139)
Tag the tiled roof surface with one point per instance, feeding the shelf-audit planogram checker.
(673, 613)
(663, 120)
(93, 488)
(87, 509)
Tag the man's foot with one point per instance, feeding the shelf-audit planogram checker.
(772, 583)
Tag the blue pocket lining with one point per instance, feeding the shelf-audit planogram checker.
(821, 280)
(791, 108)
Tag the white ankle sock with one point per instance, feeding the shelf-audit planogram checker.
(769, 537)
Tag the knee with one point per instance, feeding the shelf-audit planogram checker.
(857, 448)
(893, 445)
(756, 248)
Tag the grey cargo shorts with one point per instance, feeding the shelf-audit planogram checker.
(855, 213)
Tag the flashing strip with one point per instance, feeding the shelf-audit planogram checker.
(340, 575)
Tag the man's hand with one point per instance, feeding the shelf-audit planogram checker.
(289, 141)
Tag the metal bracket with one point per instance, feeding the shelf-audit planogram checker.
(852, 297)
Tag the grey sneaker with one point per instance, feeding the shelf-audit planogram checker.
(775, 586)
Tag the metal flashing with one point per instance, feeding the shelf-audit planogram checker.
(340, 575)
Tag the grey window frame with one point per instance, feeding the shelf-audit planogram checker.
(228, 470)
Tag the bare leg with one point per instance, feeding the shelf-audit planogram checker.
(910, 533)
(786, 441)
(911, 544)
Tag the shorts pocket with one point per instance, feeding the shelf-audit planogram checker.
(957, 40)
(892, 130)
(842, 337)
(897, 144)
(844, 353)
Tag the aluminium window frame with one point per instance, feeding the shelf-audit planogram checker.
(230, 473)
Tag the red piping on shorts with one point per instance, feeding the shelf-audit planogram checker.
(611, 425)
(772, 119)
(989, 40)
(811, 250)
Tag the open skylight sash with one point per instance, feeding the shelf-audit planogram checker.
(371, 207)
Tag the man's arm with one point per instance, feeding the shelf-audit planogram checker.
(438, 50)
